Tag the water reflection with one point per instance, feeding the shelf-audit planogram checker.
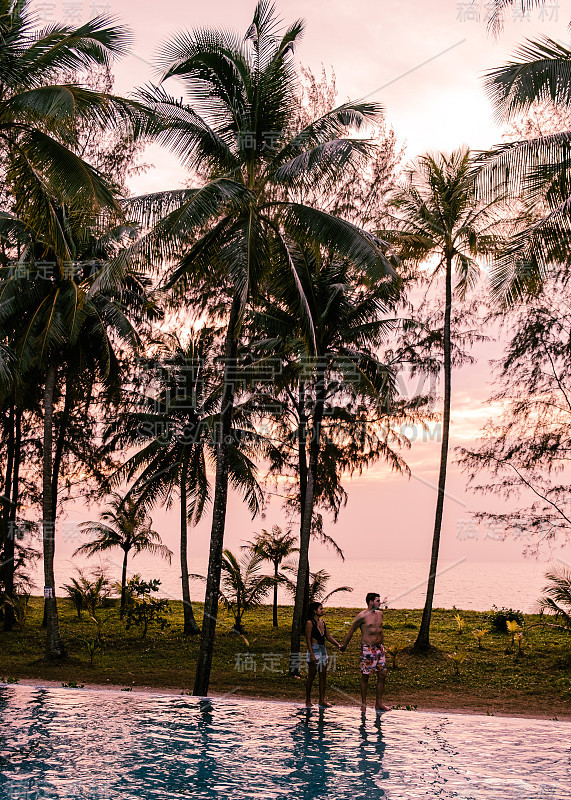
(73, 745)
(329, 759)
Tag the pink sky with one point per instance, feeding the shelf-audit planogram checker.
(377, 50)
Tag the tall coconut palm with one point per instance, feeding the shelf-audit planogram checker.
(174, 430)
(440, 217)
(127, 526)
(333, 378)
(50, 194)
(253, 169)
(274, 546)
(65, 331)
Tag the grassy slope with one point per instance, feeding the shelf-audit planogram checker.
(537, 683)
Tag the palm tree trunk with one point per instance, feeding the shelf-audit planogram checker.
(60, 442)
(10, 550)
(307, 517)
(302, 458)
(275, 609)
(54, 644)
(190, 626)
(8, 531)
(423, 638)
(204, 663)
(123, 583)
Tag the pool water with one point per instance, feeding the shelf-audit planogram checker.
(72, 744)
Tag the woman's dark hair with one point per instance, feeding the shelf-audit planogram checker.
(312, 608)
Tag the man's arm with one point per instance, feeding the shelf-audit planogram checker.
(357, 622)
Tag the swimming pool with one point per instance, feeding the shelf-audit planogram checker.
(69, 744)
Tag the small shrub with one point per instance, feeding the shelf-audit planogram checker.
(142, 609)
(394, 652)
(92, 646)
(479, 635)
(19, 603)
(457, 659)
(88, 592)
(512, 628)
(498, 617)
(461, 624)
(73, 685)
(9, 679)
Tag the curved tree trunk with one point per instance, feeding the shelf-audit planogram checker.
(54, 644)
(423, 638)
(190, 625)
(204, 662)
(307, 516)
(302, 469)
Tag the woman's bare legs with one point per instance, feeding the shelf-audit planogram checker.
(311, 672)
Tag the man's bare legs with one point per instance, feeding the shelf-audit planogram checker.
(364, 686)
(379, 705)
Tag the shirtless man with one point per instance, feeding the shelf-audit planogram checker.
(372, 649)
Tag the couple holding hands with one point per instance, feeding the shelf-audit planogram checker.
(370, 621)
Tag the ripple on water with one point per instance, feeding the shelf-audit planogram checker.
(69, 744)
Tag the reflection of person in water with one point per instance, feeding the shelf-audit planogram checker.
(371, 751)
(331, 757)
(311, 768)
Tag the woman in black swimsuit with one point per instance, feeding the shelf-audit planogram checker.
(316, 633)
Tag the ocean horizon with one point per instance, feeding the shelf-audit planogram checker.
(461, 583)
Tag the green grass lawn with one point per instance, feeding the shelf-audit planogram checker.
(535, 682)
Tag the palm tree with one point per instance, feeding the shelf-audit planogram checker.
(176, 426)
(440, 216)
(53, 195)
(66, 332)
(274, 546)
(88, 592)
(236, 135)
(37, 116)
(496, 10)
(243, 588)
(318, 585)
(125, 525)
(332, 380)
(557, 597)
(533, 170)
